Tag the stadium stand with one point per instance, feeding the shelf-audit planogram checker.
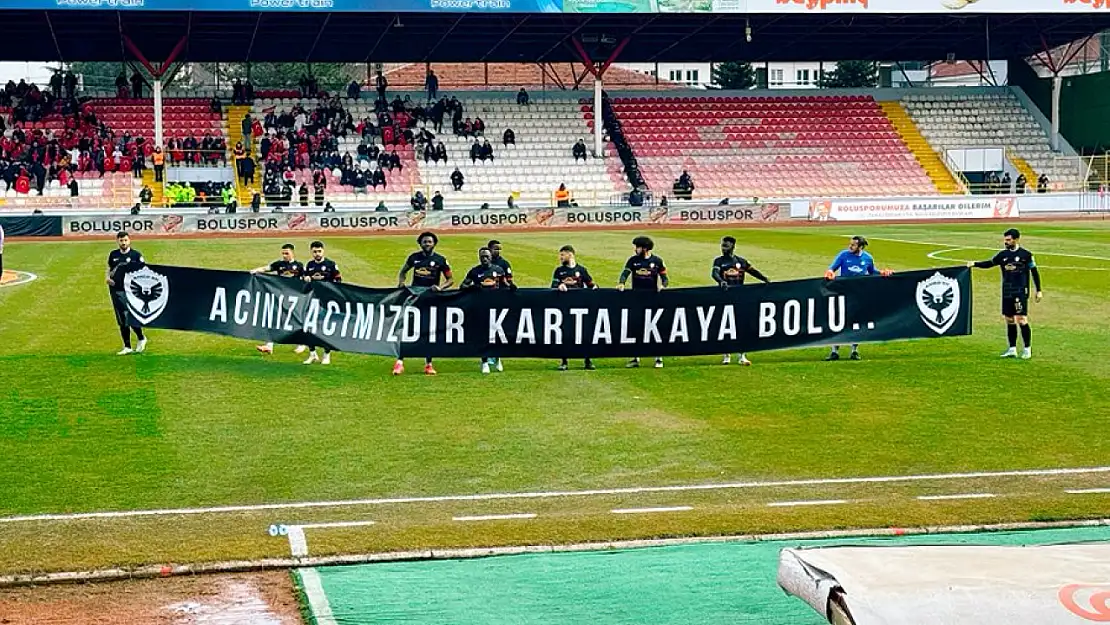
(534, 167)
(770, 146)
(399, 182)
(949, 120)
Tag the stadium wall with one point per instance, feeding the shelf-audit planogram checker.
(1084, 105)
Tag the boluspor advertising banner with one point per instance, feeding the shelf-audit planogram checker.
(963, 207)
(359, 222)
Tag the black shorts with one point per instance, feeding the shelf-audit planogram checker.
(1014, 305)
(118, 307)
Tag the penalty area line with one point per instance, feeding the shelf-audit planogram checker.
(634, 490)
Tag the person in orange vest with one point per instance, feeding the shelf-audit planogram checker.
(159, 160)
(562, 197)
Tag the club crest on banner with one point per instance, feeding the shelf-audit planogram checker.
(147, 293)
(938, 301)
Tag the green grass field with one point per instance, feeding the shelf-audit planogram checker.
(205, 421)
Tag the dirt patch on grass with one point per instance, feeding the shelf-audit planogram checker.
(235, 599)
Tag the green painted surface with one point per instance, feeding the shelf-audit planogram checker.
(707, 584)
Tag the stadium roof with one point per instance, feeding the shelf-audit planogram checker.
(80, 35)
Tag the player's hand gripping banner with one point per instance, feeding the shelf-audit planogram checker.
(545, 323)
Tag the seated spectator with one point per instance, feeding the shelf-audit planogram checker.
(430, 153)
(256, 201)
(511, 204)
(486, 152)
(579, 150)
(135, 209)
(1020, 184)
(302, 193)
(1042, 183)
(358, 182)
(381, 207)
(419, 202)
(636, 197)
(354, 90)
(457, 179)
(328, 208)
(437, 201)
(479, 127)
(395, 161)
(216, 106)
(379, 178)
(509, 137)
(484, 206)
(475, 151)
(562, 197)
(319, 184)
(1006, 182)
(684, 186)
(146, 196)
(522, 97)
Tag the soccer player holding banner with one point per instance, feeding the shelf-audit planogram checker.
(487, 275)
(286, 267)
(648, 274)
(320, 269)
(855, 261)
(428, 268)
(570, 275)
(121, 260)
(1017, 265)
(729, 270)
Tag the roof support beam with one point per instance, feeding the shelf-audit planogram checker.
(319, 33)
(254, 35)
(131, 47)
(553, 75)
(444, 37)
(378, 41)
(597, 70)
(504, 39)
(54, 36)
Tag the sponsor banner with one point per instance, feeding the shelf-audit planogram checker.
(262, 223)
(962, 207)
(546, 323)
(320, 6)
(32, 226)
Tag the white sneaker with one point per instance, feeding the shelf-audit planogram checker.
(141, 347)
(300, 349)
(1010, 353)
(1026, 353)
(500, 367)
(726, 359)
(744, 362)
(312, 357)
(268, 348)
(658, 363)
(125, 351)
(485, 367)
(326, 360)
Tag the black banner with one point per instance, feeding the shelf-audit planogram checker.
(544, 323)
(32, 226)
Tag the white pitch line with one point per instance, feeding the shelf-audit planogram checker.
(939, 255)
(650, 510)
(814, 502)
(888, 479)
(494, 517)
(308, 526)
(317, 598)
(963, 496)
(1088, 491)
(976, 247)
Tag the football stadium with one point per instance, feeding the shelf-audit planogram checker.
(518, 311)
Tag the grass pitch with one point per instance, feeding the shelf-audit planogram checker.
(205, 421)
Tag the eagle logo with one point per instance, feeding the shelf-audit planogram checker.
(938, 301)
(147, 293)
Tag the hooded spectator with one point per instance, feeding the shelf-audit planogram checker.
(457, 179)
(437, 201)
(509, 137)
(522, 97)
(579, 150)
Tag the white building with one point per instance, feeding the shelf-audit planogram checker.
(799, 75)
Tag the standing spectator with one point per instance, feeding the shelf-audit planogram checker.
(56, 83)
(136, 86)
(382, 84)
(319, 184)
(437, 201)
(522, 97)
(70, 84)
(1006, 183)
(511, 203)
(457, 179)
(1021, 184)
(431, 85)
(256, 201)
(1042, 183)
(303, 194)
(121, 85)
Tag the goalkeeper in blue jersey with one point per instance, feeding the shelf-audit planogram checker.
(855, 261)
